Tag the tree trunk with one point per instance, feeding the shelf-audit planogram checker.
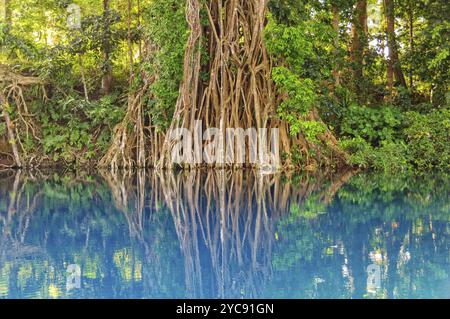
(10, 129)
(139, 26)
(238, 94)
(6, 11)
(359, 45)
(83, 78)
(411, 44)
(394, 66)
(336, 72)
(389, 65)
(129, 40)
(107, 69)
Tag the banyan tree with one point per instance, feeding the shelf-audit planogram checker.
(238, 92)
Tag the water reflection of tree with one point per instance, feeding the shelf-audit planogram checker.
(403, 219)
(18, 204)
(221, 233)
(48, 221)
(229, 215)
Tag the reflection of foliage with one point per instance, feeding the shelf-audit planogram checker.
(309, 247)
(309, 209)
(391, 196)
(75, 218)
(382, 214)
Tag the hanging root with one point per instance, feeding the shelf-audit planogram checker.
(9, 128)
(240, 92)
(23, 124)
(128, 149)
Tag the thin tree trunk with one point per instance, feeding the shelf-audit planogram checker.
(7, 16)
(359, 45)
(389, 65)
(139, 26)
(129, 40)
(394, 61)
(9, 125)
(336, 73)
(83, 78)
(411, 43)
(6, 12)
(107, 70)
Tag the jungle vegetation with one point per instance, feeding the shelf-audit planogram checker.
(348, 82)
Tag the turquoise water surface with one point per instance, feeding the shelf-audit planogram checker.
(223, 234)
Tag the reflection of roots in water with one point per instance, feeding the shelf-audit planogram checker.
(21, 205)
(230, 214)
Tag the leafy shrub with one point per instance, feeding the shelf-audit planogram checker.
(106, 111)
(387, 140)
(374, 125)
(293, 78)
(68, 124)
(167, 27)
(359, 149)
(389, 157)
(61, 142)
(428, 139)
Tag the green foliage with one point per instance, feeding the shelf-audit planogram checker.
(374, 125)
(371, 136)
(359, 150)
(388, 140)
(430, 58)
(291, 45)
(428, 139)
(68, 124)
(104, 111)
(301, 98)
(390, 156)
(61, 142)
(167, 29)
(301, 94)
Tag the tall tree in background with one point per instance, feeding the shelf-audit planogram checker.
(7, 11)
(411, 41)
(359, 46)
(394, 69)
(336, 71)
(107, 68)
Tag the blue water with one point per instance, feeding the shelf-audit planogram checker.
(223, 235)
